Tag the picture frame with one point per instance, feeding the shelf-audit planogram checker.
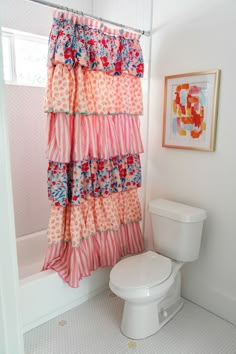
(190, 110)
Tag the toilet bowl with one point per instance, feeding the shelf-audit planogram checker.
(150, 283)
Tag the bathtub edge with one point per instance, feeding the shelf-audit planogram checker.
(60, 311)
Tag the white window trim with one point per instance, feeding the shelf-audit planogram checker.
(26, 35)
(12, 34)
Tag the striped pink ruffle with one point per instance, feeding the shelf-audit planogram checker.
(102, 250)
(78, 137)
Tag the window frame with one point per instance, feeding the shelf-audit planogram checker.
(13, 35)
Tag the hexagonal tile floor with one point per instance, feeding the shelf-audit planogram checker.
(93, 328)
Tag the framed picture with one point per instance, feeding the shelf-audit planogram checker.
(190, 110)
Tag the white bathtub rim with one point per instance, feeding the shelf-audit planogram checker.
(31, 250)
(38, 276)
(30, 236)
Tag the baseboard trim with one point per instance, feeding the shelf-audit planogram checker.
(209, 298)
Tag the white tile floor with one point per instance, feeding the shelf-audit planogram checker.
(93, 328)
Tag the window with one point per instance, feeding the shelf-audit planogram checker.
(7, 63)
(24, 58)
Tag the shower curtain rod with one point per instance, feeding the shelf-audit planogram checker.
(56, 6)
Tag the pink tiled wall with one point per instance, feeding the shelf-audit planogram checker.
(27, 137)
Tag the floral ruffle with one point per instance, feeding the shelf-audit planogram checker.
(75, 181)
(76, 222)
(73, 43)
(102, 250)
(79, 137)
(92, 92)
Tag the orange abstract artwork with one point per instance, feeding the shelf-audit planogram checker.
(188, 109)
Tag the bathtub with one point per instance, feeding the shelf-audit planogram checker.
(44, 295)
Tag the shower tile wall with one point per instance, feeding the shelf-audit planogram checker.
(28, 163)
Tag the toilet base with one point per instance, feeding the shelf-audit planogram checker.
(141, 320)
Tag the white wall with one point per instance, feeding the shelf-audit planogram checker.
(27, 122)
(27, 16)
(198, 35)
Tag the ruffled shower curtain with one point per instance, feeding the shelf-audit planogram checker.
(93, 102)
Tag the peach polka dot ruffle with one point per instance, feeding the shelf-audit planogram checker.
(75, 223)
(92, 92)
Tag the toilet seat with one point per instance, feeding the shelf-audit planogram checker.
(145, 270)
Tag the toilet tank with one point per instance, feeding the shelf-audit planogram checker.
(177, 229)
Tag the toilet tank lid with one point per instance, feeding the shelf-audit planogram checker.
(176, 211)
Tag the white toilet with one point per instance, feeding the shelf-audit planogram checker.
(150, 282)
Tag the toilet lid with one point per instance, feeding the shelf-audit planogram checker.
(142, 271)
